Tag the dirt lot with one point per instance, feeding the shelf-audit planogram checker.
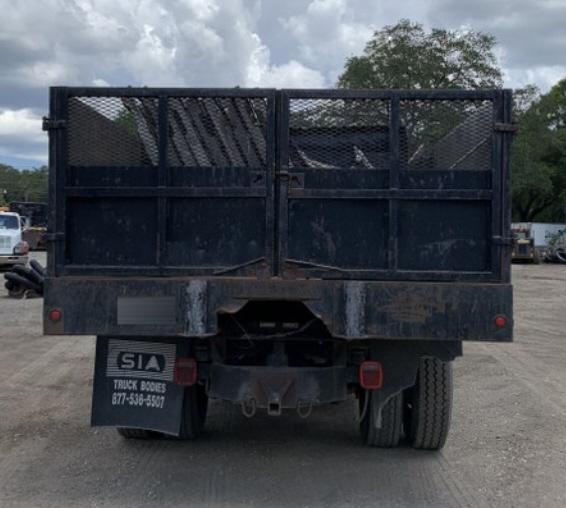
(507, 446)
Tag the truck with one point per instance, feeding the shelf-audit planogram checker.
(279, 250)
(524, 248)
(34, 216)
(13, 250)
(546, 240)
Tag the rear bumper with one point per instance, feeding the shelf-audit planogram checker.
(8, 261)
(189, 307)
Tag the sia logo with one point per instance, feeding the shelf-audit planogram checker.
(145, 362)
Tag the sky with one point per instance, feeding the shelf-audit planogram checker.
(250, 43)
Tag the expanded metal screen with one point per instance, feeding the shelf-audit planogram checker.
(338, 133)
(379, 184)
(446, 134)
(217, 132)
(112, 131)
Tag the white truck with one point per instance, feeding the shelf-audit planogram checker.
(13, 250)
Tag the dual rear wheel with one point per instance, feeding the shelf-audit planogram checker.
(421, 413)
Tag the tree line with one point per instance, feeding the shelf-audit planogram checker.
(22, 185)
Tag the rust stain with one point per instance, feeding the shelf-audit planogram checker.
(409, 307)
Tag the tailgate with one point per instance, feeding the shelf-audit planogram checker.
(335, 184)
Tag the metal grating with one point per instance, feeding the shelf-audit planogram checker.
(339, 133)
(112, 131)
(217, 132)
(446, 134)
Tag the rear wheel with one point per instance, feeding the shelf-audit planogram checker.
(195, 405)
(388, 433)
(429, 405)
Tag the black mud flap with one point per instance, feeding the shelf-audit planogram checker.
(134, 385)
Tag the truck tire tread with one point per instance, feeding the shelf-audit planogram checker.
(389, 433)
(432, 405)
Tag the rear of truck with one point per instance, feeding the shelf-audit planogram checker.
(279, 250)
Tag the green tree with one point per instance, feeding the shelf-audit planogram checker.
(22, 185)
(406, 56)
(539, 155)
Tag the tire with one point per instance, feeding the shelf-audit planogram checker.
(195, 405)
(429, 405)
(389, 433)
(129, 433)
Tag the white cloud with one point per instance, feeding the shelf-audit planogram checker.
(327, 32)
(293, 74)
(21, 135)
(543, 76)
(21, 123)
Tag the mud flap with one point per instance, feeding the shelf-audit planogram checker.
(134, 386)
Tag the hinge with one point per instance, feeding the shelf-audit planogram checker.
(505, 127)
(49, 124)
(501, 240)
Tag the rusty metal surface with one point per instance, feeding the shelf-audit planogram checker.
(349, 310)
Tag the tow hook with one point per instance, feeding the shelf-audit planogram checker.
(249, 407)
(304, 408)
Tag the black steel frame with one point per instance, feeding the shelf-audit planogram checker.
(279, 186)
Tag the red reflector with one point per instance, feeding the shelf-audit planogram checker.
(371, 375)
(55, 315)
(500, 321)
(185, 372)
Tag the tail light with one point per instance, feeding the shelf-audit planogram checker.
(55, 315)
(500, 321)
(371, 375)
(185, 371)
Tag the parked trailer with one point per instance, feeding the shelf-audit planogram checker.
(278, 249)
(545, 236)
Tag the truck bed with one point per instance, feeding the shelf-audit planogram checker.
(386, 213)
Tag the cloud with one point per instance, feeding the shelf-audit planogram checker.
(21, 135)
(292, 74)
(21, 122)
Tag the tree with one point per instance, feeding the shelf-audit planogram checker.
(539, 156)
(22, 185)
(405, 56)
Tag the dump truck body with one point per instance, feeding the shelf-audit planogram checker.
(278, 249)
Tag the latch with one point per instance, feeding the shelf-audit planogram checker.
(505, 127)
(49, 124)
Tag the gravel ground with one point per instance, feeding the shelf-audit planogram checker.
(507, 445)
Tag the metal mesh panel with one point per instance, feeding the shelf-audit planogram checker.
(446, 134)
(112, 131)
(339, 133)
(217, 132)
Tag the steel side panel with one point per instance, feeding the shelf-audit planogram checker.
(349, 309)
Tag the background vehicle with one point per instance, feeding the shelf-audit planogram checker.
(279, 249)
(524, 247)
(546, 238)
(34, 216)
(13, 251)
